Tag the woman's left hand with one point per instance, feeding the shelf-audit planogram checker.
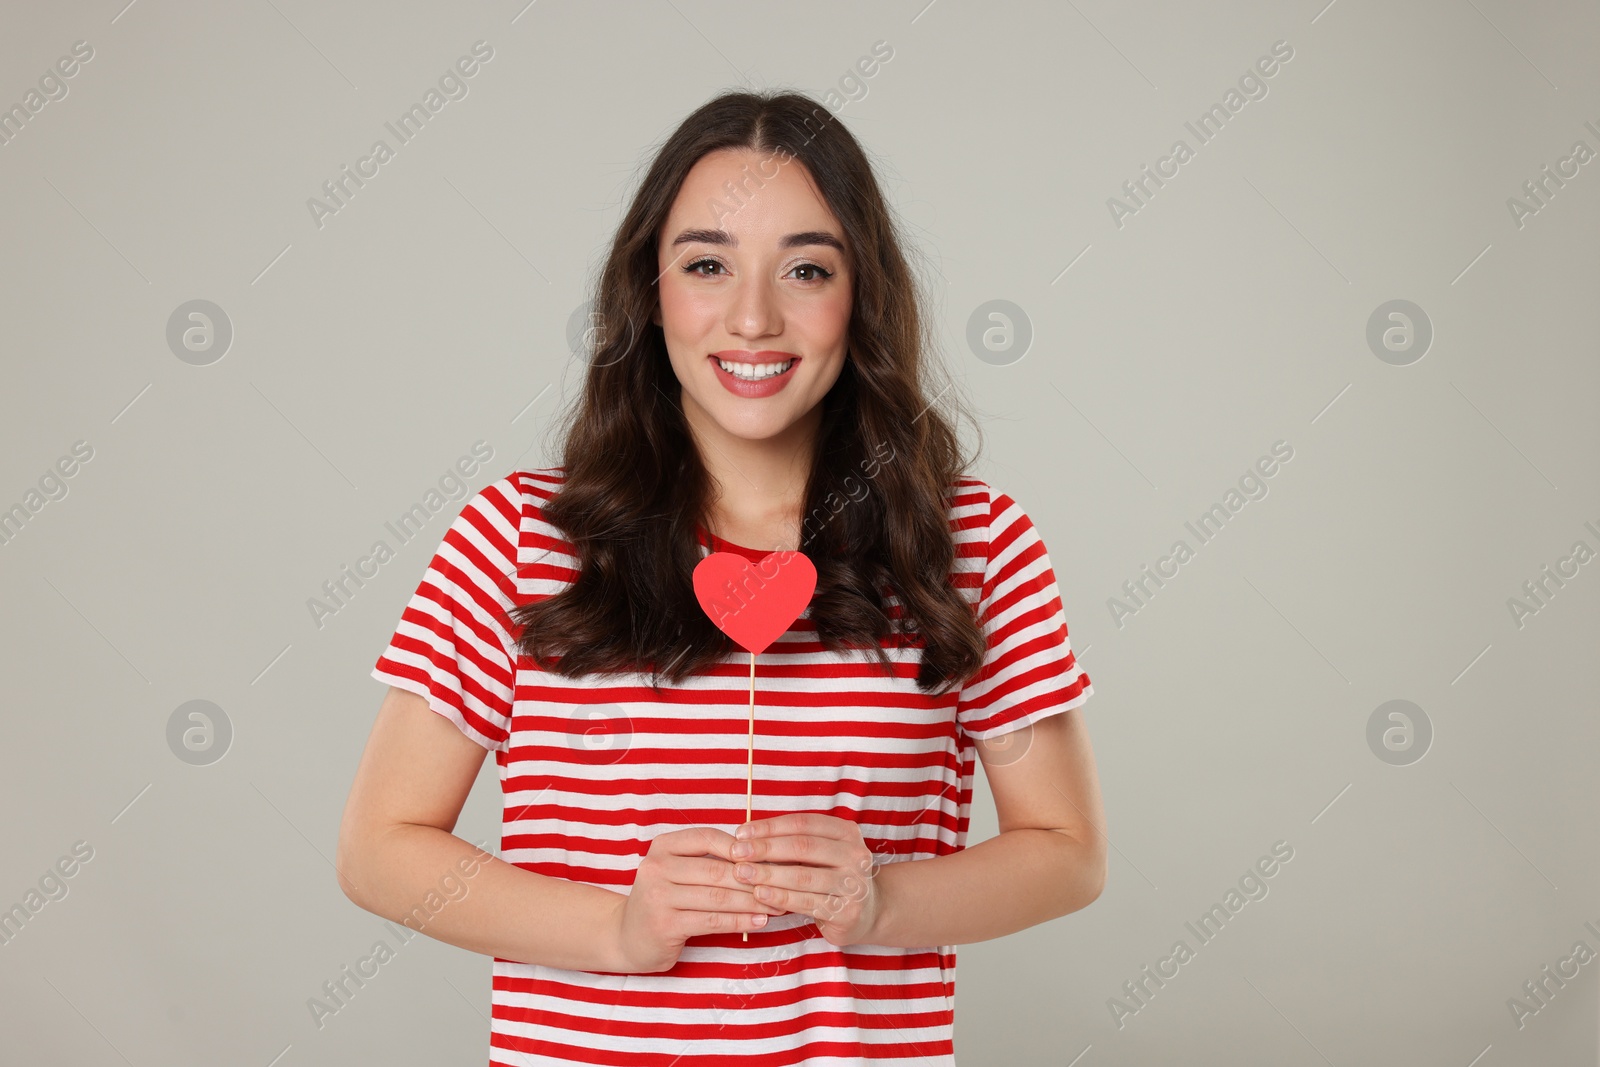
(831, 877)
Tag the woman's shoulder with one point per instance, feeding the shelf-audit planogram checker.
(980, 502)
(507, 516)
(987, 522)
(978, 506)
(534, 486)
(517, 498)
(967, 490)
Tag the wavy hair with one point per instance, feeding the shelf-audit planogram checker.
(635, 492)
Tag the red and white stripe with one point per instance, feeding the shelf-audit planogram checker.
(593, 768)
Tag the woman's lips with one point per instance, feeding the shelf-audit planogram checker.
(765, 387)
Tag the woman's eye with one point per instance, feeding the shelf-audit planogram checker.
(694, 267)
(826, 274)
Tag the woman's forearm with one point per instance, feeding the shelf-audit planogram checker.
(433, 881)
(1007, 883)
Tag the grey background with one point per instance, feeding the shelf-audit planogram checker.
(1167, 355)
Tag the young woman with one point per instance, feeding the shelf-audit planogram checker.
(757, 384)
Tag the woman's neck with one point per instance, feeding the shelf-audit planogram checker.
(758, 487)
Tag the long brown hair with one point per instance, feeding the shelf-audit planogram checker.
(635, 491)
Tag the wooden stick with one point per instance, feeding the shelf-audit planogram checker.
(750, 780)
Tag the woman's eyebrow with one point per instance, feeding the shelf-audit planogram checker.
(793, 240)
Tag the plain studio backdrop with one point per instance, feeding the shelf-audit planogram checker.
(1374, 252)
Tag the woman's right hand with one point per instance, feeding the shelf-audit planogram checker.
(684, 887)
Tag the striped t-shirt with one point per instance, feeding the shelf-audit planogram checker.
(592, 768)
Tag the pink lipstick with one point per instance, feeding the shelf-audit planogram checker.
(775, 368)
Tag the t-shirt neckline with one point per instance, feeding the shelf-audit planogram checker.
(718, 544)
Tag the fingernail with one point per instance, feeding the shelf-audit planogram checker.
(741, 849)
(759, 920)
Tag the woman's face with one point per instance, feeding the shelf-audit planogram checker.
(753, 276)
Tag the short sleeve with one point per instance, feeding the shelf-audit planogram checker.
(1029, 671)
(453, 645)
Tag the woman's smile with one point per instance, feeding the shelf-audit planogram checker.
(753, 374)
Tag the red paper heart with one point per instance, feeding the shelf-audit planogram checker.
(754, 603)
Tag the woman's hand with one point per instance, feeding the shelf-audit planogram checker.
(684, 887)
(831, 879)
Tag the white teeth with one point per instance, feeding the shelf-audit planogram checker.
(754, 372)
